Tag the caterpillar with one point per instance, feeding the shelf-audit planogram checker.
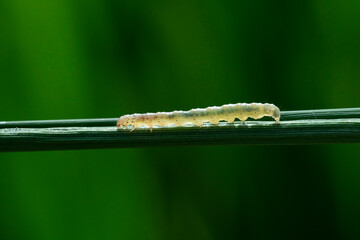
(198, 116)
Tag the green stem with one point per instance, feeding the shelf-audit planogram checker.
(311, 127)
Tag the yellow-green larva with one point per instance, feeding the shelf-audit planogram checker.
(198, 116)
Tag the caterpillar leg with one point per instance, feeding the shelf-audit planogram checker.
(243, 120)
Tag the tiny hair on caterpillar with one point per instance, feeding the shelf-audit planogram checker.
(198, 116)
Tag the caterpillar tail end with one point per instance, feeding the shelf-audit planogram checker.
(276, 114)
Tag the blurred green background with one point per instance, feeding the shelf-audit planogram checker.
(92, 59)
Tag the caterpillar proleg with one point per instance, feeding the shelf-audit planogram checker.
(198, 116)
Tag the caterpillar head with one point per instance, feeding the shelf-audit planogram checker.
(124, 121)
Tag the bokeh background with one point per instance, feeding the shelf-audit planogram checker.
(64, 59)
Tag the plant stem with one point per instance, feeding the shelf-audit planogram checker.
(305, 131)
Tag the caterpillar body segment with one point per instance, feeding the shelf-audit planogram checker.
(198, 116)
